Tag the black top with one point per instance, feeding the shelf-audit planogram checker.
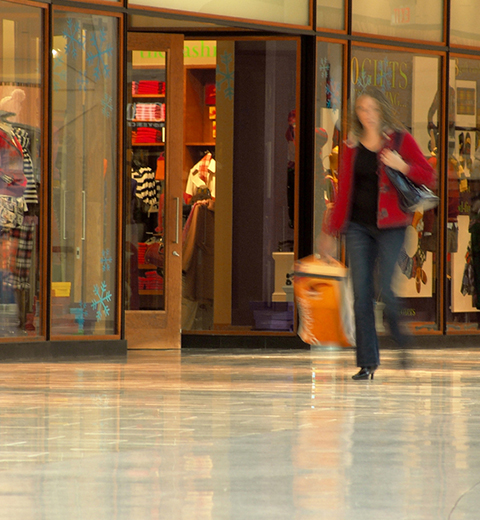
(365, 187)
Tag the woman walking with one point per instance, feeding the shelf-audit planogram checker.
(367, 210)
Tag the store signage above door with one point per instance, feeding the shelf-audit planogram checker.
(195, 52)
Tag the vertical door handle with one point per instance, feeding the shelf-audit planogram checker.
(83, 214)
(177, 219)
(64, 223)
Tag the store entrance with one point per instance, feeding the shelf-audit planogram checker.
(153, 245)
(217, 190)
(240, 185)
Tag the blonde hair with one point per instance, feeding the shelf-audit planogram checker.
(389, 117)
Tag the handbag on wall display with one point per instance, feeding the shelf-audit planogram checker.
(154, 254)
(413, 197)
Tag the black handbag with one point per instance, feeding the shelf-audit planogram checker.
(413, 197)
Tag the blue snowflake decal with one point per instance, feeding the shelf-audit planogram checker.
(333, 95)
(59, 72)
(80, 314)
(324, 67)
(226, 76)
(74, 38)
(102, 296)
(98, 57)
(82, 82)
(106, 260)
(364, 80)
(107, 106)
(384, 75)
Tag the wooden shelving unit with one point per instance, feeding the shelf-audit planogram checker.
(158, 124)
(198, 127)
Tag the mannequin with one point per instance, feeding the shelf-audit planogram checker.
(12, 208)
(13, 103)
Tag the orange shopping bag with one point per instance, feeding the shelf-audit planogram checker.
(323, 301)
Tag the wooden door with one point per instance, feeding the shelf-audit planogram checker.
(154, 145)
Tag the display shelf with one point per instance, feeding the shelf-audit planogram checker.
(147, 266)
(147, 96)
(148, 144)
(198, 127)
(150, 292)
(147, 120)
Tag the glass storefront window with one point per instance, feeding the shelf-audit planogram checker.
(399, 18)
(292, 12)
(328, 120)
(463, 225)
(411, 82)
(145, 231)
(85, 174)
(464, 27)
(21, 175)
(330, 14)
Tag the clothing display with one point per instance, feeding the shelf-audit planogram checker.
(149, 111)
(198, 251)
(147, 188)
(30, 194)
(202, 174)
(146, 135)
(17, 249)
(145, 87)
(18, 228)
(12, 178)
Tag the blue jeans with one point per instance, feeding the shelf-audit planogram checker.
(368, 247)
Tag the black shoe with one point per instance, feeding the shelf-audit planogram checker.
(365, 373)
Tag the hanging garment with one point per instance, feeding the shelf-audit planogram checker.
(198, 252)
(30, 194)
(146, 186)
(202, 174)
(12, 178)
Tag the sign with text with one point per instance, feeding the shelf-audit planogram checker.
(195, 52)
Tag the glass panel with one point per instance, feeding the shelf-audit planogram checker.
(146, 125)
(331, 14)
(399, 18)
(464, 26)
(293, 12)
(328, 119)
(411, 82)
(85, 173)
(239, 187)
(463, 226)
(21, 117)
(150, 22)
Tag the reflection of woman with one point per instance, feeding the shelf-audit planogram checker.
(368, 211)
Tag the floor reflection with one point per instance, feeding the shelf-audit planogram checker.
(215, 434)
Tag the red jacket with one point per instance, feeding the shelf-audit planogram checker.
(389, 214)
(11, 164)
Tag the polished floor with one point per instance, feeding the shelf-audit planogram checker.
(240, 434)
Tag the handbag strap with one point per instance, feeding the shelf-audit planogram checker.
(397, 140)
